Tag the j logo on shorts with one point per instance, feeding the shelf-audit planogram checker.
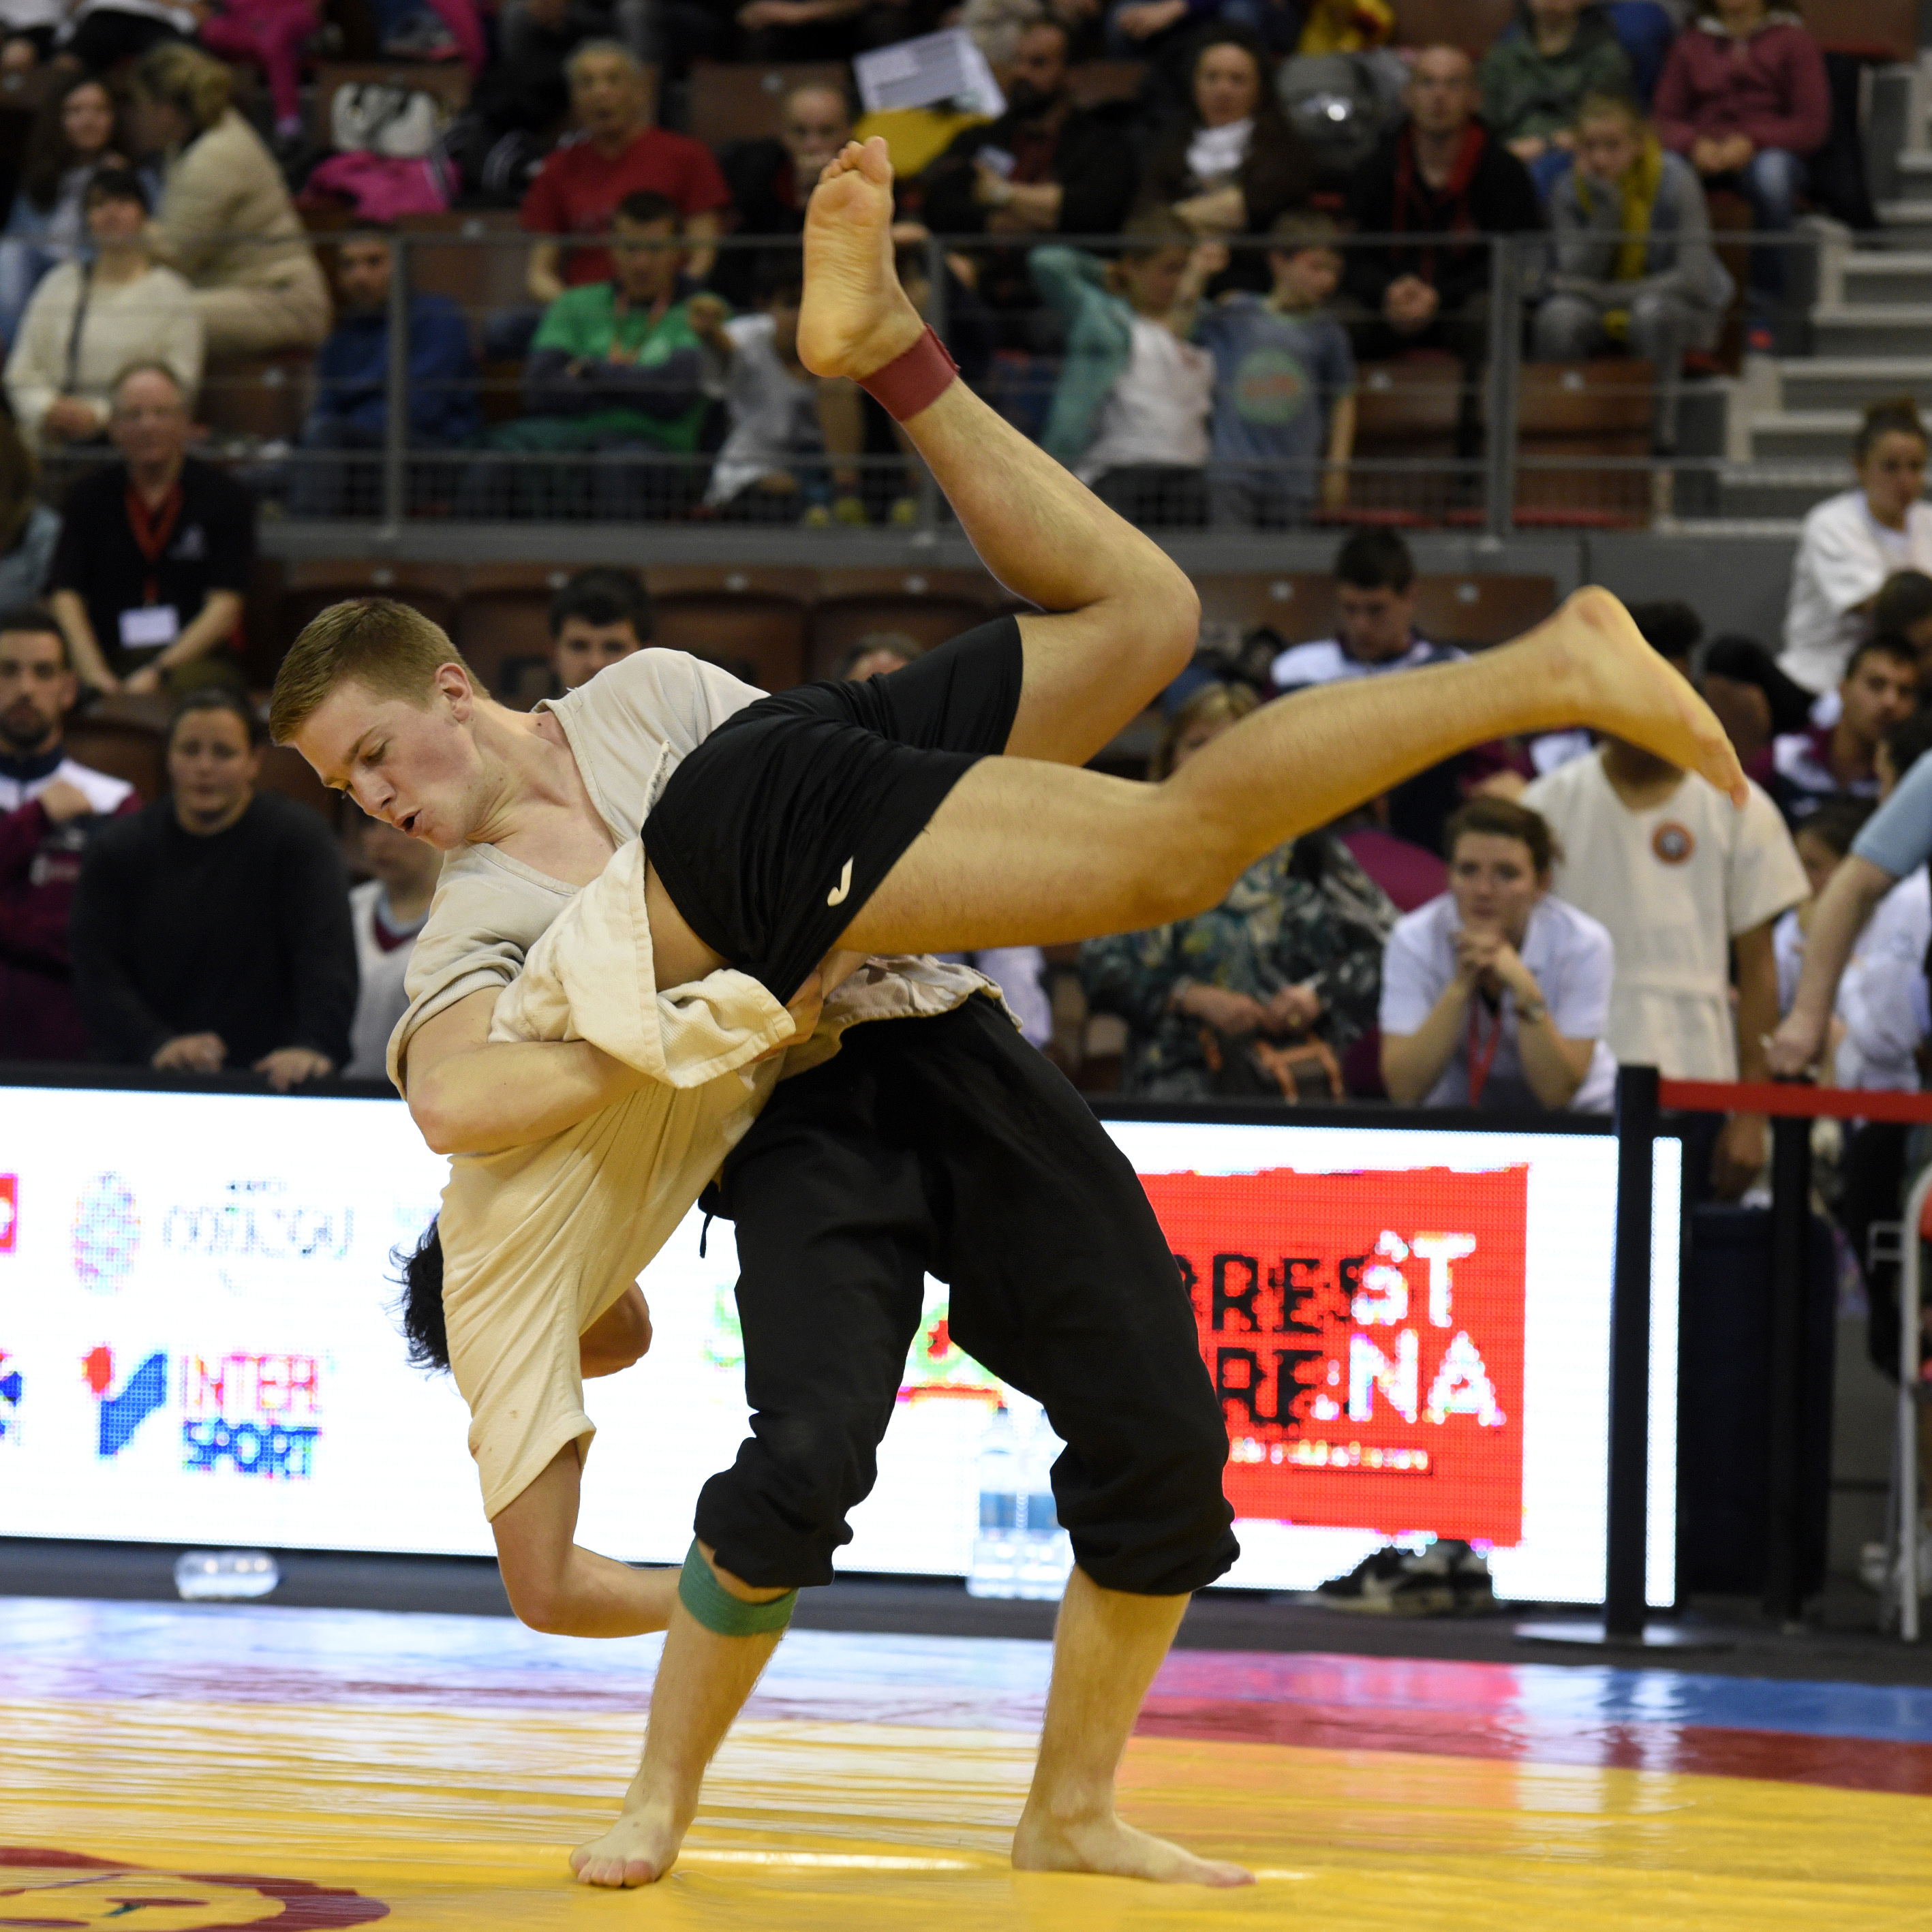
(837, 894)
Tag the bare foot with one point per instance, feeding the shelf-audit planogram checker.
(638, 1849)
(855, 317)
(1104, 1844)
(1613, 681)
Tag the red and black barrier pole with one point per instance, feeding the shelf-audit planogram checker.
(1629, 1500)
(1792, 1397)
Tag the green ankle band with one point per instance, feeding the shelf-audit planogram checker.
(707, 1599)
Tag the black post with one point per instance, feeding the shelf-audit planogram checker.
(1790, 1287)
(1623, 1594)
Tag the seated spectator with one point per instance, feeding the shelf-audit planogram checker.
(49, 804)
(771, 181)
(1533, 83)
(1345, 26)
(600, 617)
(1044, 167)
(225, 221)
(1161, 30)
(1880, 689)
(352, 383)
(1852, 543)
(771, 468)
(210, 931)
(156, 551)
(1755, 702)
(1262, 995)
(385, 912)
(1744, 98)
(1129, 413)
(549, 30)
(618, 154)
(1823, 843)
(1658, 296)
(1284, 426)
(1444, 178)
(877, 653)
(498, 141)
(1496, 994)
(432, 30)
(1903, 609)
(1233, 164)
(1683, 880)
(620, 367)
(1374, 634)
(27, 29)
(75, 131)
(29, 528)
(88, 319)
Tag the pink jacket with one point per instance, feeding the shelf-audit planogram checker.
(1770, 88)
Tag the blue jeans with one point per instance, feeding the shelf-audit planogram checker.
(1771, 181)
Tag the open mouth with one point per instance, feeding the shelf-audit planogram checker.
(407, 822)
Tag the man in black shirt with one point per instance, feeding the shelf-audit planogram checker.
(771, 181)
(1044, 167)
(212, 930)
(154, 551)
(1444, 179)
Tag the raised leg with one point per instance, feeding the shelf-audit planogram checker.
(1107, 1646)
(1022, 853)
(1122, 617)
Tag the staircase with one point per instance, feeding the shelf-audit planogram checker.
(1792, 419)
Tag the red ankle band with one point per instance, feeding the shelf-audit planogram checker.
(914, 381)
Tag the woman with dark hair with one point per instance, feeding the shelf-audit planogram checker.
(1233, 163)
(1851, 542)
(75, 131)
(29, 528)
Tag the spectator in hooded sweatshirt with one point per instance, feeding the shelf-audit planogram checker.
(352, 381)
(1744, 98)
(1534, 80)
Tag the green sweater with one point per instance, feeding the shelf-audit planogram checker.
(1525, 93)
(655, 394)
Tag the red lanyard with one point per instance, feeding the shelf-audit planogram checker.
(151, 535)
(1481, 1057)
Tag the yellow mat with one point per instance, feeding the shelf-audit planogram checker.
(453, 1819)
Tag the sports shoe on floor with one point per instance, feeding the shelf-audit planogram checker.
(1395, 1582)
(1468, 1576)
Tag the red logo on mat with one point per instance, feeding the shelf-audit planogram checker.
(10, 1211)
(1365, 1336)
(77, 1890)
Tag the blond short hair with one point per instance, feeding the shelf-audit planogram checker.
(389, 649)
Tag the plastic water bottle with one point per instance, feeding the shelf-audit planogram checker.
(1045, 1551)
(994, 1571)
(223, 1576)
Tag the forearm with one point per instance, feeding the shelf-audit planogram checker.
(1757, 1008)
(701, 233)
(512, 1093)
(71, 615)
(541, 279)
(1846, 902)
(213, 626)
(1413, 1062)
(1549, 1060)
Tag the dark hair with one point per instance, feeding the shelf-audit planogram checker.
(604, 594)
(1374, 560)
(1671, 629)
(1503, 818)
(1890, 415)
(643, 205)
(31, 620)
(1904, 599)
(1837, 823)
(420, 1311)
(1745, 660)
(49, 153)
(217, 698)
(117, 184)
(1908, 741)
(1268, 115)
(778, 273)
(19, 483)
(1882, 646)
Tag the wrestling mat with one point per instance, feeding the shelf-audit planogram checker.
(180, 1769)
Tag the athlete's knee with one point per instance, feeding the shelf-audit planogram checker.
(1180, 860)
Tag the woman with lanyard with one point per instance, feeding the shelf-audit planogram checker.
(1495, 995)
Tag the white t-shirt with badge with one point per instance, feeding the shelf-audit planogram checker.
(1674, 884)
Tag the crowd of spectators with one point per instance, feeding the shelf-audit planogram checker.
(1594, 125)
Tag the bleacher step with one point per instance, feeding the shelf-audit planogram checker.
(1850, 382)
(1820, 435)
(1905, 214)
(1901, 275)
(1781, 490)
(1877, 329)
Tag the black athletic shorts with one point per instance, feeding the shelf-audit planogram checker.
(949, 1146)
(777, 829)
